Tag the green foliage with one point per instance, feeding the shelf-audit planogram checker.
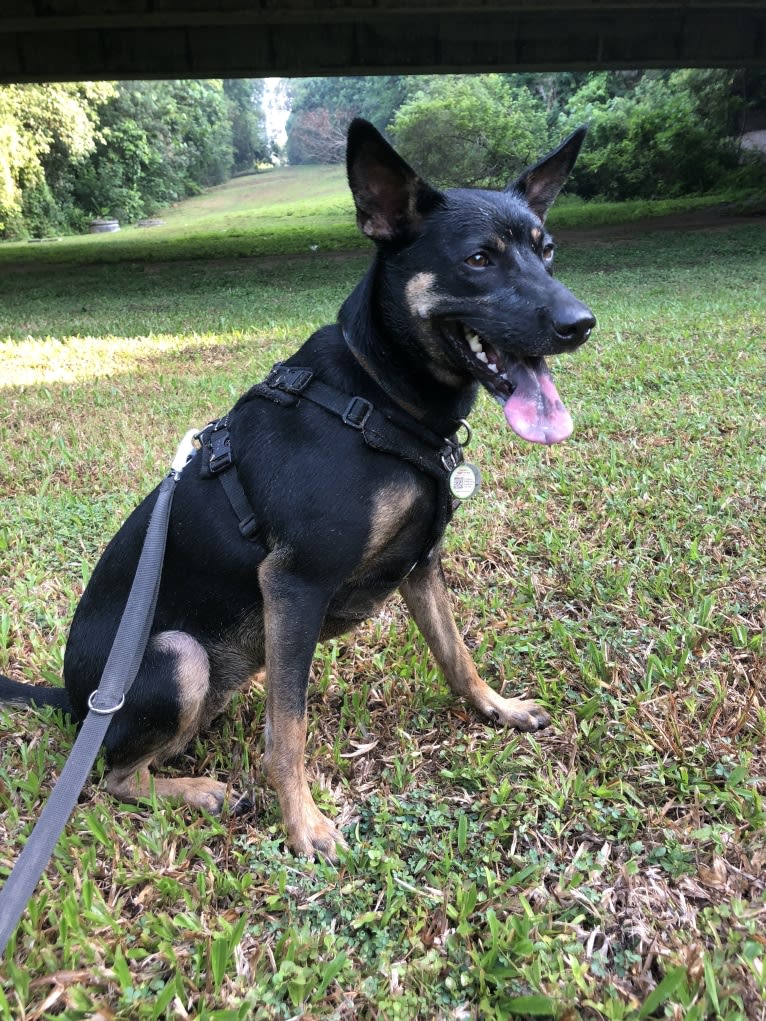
(74, 152)
(652, 134)
(45, 133)
(470, 131)
(669, 134)
(244, 97)
(160, 142)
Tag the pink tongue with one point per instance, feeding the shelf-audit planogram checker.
(534, 411)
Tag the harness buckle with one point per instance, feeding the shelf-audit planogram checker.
(451, 457)
(220, 448)
(289, 378)
(358, 410)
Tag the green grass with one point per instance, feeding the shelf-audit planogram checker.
(610, 867)
(292, 211)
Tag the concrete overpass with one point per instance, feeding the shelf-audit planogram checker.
(49, 40)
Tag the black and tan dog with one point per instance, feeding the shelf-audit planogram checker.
(328, 486)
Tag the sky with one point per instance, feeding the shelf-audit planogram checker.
(275, 109)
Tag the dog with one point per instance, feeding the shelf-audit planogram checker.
(329, 485)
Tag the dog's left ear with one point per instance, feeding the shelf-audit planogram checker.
(541, 183)
(391, 200)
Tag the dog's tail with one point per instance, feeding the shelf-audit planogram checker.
(16, 693)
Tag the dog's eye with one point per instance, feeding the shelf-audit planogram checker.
(478, 260)
(548, 251)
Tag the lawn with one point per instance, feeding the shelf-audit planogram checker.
(612, 866)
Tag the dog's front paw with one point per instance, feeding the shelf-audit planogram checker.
(519, 713)
(203, 793)
(313, 834)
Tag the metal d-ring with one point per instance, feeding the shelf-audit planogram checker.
(104, 712)
(468, 433)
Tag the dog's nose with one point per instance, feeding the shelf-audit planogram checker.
(575, 326)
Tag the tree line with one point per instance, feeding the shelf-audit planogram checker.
(73, 152)
(653, 134)
(70, 153)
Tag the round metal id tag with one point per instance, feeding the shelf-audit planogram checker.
(464, 480)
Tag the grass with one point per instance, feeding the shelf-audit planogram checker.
(610, 867)
(294, 211)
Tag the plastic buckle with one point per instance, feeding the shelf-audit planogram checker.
(358, 410)
(289, 378)
(220, 449)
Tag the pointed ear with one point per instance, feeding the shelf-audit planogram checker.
(541, 183)
(391, 200)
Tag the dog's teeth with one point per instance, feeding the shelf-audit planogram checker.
(481, 356)
(492, 366)
(473, 342)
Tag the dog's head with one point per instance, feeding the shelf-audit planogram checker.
(469, 276)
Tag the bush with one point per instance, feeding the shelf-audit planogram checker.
(670, 135)
(477, 131)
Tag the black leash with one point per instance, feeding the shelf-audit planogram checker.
(118, 675)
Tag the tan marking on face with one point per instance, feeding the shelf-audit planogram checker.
(537, 235)
(422, 298)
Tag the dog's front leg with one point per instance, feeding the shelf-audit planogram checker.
(293, 614)
(427, 597)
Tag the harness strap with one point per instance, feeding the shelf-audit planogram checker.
(434, 455)
(217, 459)
(287, 385)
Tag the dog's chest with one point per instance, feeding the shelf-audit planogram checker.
(401, 527)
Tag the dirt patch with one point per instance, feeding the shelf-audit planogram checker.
(716, 218)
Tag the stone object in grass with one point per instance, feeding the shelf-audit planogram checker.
(104, 226)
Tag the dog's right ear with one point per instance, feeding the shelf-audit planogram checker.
(391, 200)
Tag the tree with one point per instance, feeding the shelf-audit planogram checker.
(670, 133)
(318, 135)
(321, 109)
(476, 131)
(45, 131)
(244, 97)
(160, 141)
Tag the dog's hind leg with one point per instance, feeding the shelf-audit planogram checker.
(294, 611)
(164, 709)
(427, 597)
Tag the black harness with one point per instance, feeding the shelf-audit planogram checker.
(401, 436)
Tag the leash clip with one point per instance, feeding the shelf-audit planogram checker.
(451, 456)
(184, 454)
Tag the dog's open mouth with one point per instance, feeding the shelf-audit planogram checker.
(523, 385)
